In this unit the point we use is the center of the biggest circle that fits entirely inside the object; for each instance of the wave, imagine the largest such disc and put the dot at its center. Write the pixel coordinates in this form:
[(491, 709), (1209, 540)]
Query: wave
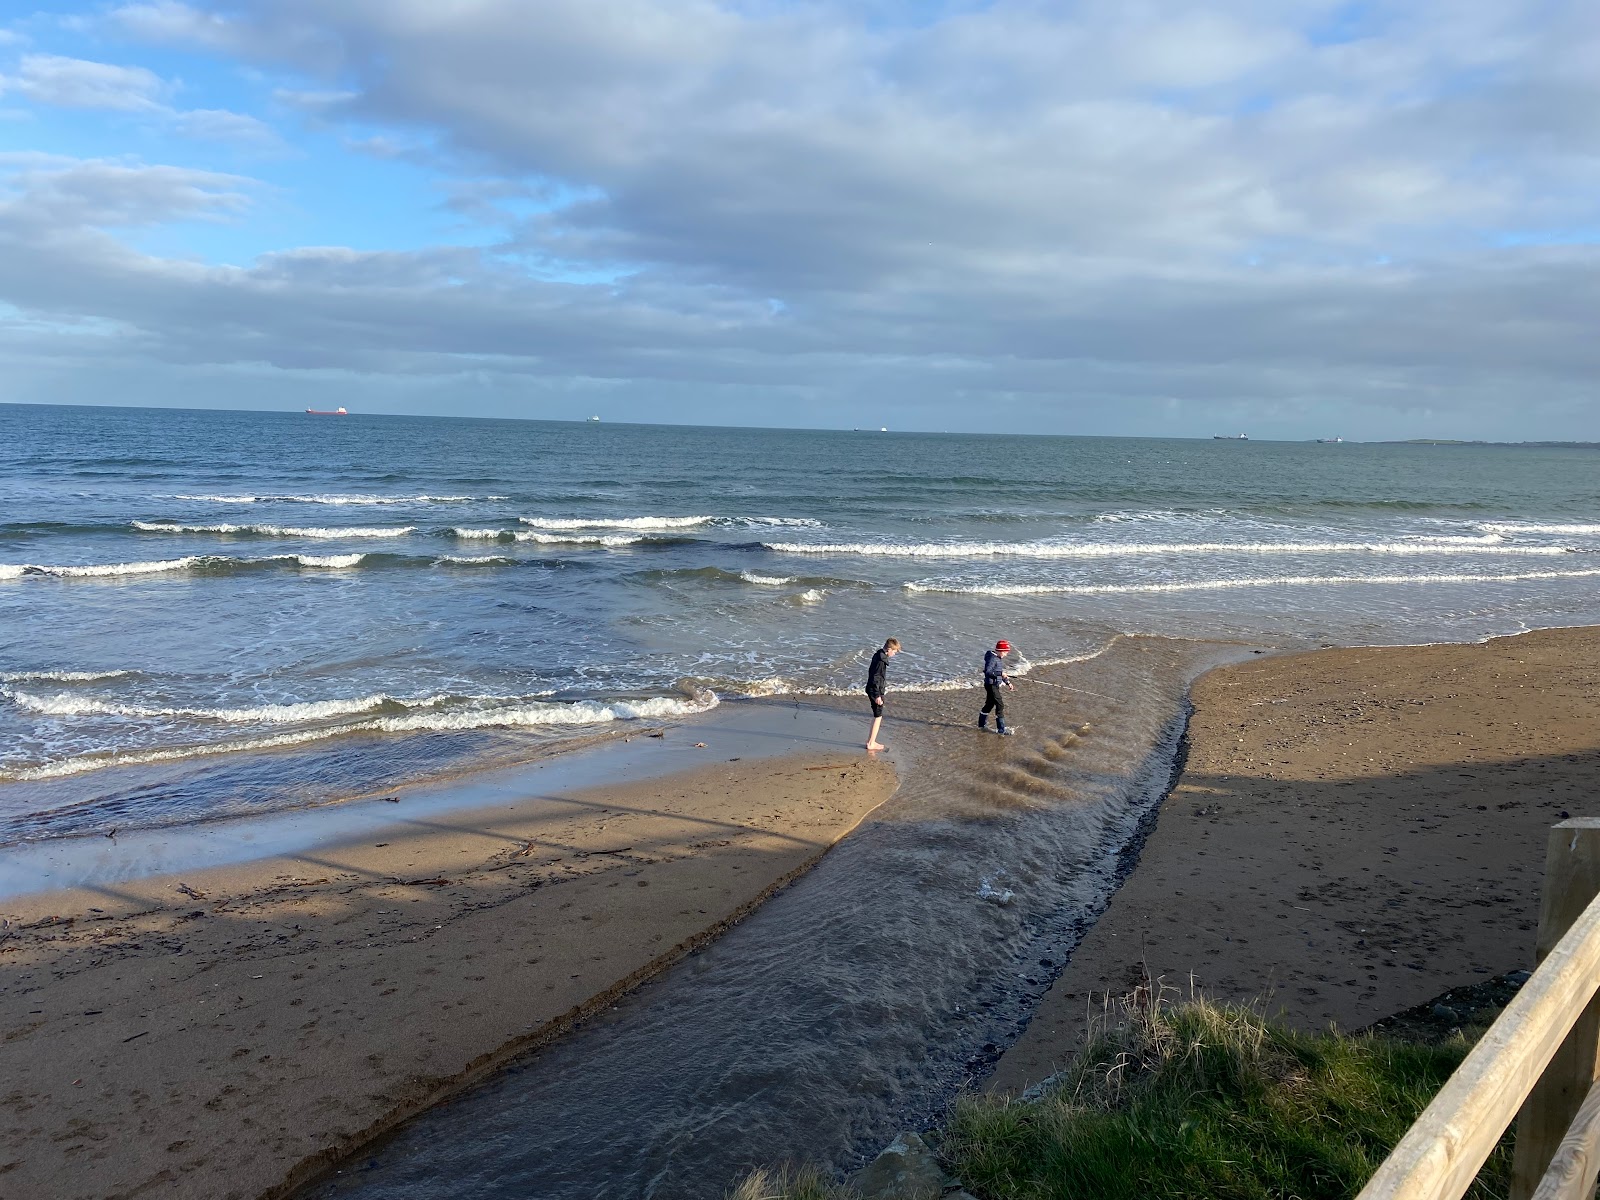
[(16, 570), (1219, 585), (313, 531), (360, 500), (530, 715), (226, 564), (1137, 549), (1515, 527), (61, 676), (211, 563), (646, 523), (609, 540), (615, 522), (68, 705)]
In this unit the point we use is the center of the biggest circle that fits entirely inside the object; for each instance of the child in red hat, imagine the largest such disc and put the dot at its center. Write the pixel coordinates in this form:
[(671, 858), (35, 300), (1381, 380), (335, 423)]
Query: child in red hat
[(995, 678)]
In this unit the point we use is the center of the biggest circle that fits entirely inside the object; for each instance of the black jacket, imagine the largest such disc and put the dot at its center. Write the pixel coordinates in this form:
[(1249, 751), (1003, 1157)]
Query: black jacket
[(878, 674)]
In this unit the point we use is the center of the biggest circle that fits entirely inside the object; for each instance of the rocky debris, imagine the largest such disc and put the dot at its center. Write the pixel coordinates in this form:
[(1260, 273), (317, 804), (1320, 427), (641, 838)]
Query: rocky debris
[(1473, 1004), (907, 1169)]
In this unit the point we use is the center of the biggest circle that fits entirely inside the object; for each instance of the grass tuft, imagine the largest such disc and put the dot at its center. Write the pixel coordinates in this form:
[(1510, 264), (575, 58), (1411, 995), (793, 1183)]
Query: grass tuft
[(1191, 1101), (1198, 1099), (788, 1183)]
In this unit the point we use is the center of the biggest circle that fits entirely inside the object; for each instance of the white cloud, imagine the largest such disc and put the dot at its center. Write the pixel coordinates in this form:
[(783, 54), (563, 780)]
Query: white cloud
[(220, 125), (79, 83), (57, 199), (1102, 201)]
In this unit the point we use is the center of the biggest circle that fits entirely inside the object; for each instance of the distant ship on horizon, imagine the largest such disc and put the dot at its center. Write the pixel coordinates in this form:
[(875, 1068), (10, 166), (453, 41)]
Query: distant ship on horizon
[(1328, 441), (1230, 437), (327, 412)]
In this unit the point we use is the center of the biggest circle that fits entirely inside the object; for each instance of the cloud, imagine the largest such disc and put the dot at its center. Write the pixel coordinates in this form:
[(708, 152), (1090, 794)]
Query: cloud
[(220, 125), (1271, 205), (78, 83), (55, 198)]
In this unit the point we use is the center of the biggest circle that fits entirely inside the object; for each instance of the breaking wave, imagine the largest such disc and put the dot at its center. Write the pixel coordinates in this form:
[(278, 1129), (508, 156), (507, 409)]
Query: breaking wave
[(212, 563), (1219, 585), (646, 523), (615, 523), (359, 500), (606, 540), (313, 531), (523, 715), (1142, 549), (1515, 527), (61, 676)]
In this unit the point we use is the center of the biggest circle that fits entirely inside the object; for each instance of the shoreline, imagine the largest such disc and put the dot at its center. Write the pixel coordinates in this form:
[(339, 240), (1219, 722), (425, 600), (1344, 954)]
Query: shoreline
[(747, 729), (1355, 830), (159, 1031)]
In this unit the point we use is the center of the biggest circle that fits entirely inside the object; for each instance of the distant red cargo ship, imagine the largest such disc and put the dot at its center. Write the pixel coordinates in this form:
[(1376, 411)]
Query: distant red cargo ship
[(327, 412)]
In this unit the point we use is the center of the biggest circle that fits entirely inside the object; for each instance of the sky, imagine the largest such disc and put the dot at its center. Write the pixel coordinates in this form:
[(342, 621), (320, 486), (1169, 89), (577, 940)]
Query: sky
[(1292, 218)]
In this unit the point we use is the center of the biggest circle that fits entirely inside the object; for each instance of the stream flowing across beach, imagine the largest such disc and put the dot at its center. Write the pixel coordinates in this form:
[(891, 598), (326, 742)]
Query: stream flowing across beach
[(209, 614)]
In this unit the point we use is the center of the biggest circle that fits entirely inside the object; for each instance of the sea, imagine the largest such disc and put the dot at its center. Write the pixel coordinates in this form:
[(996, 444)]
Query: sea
[(204, 613), (212, 614)]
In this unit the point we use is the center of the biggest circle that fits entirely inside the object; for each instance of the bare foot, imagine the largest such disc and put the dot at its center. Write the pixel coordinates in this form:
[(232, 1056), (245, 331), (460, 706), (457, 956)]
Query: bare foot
[(876, 746)]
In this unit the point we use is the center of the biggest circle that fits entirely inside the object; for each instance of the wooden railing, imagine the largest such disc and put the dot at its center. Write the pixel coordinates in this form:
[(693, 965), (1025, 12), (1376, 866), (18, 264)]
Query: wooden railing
[(1539, 1057)]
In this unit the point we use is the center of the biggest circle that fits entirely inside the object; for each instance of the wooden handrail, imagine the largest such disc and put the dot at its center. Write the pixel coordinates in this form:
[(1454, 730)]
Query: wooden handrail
[(1576, 1166), (1541, 1046)]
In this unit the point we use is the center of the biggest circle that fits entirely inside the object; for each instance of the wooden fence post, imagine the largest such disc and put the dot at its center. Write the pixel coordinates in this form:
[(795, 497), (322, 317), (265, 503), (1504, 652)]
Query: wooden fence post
[(1571, 881)]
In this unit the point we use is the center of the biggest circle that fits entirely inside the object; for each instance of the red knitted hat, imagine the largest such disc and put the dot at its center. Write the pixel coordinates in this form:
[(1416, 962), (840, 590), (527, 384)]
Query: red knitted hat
[(1002, 645)]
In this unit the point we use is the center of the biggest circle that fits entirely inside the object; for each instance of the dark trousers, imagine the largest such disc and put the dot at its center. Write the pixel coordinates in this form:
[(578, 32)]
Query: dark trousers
[(992, 701)]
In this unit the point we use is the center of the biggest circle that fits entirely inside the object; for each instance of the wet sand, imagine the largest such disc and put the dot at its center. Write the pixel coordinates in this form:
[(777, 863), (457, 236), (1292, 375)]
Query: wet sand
[(1355, 831), (229, 1030)]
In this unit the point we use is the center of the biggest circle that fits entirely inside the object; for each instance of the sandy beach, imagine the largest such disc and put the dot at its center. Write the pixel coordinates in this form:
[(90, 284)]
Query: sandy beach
[(230, 1031), (1355, 831)]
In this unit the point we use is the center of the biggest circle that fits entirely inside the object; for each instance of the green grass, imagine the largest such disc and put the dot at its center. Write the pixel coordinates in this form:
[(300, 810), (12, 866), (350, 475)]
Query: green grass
[(788, 1183), (1192, 1099), (1203, 1100)]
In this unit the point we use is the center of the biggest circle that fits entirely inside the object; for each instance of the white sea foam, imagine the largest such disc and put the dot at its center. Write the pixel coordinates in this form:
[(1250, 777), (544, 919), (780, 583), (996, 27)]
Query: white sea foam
[(531, 715), (476, 560), (551, 539), (811, 596), (193, 561), (1141, 549), (615, 522), (330, 532), (766, 580), (1219, 585), (575, 539), (68, 705), (1516, 527), (60, 676), (659, 523), (14, 570), (359, 500), (335, 561)]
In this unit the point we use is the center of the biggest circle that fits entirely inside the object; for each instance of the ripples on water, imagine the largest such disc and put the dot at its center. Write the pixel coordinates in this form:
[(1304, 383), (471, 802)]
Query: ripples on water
[(179, 586), (374, 600), (854, 1003)]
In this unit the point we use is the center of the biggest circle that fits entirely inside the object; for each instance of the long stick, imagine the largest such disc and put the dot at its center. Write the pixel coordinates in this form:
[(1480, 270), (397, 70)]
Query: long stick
[(1063, 687)]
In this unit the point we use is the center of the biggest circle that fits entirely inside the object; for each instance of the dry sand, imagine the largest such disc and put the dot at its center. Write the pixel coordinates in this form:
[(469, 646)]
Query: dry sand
[(228, 1032), (1355, 831)]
